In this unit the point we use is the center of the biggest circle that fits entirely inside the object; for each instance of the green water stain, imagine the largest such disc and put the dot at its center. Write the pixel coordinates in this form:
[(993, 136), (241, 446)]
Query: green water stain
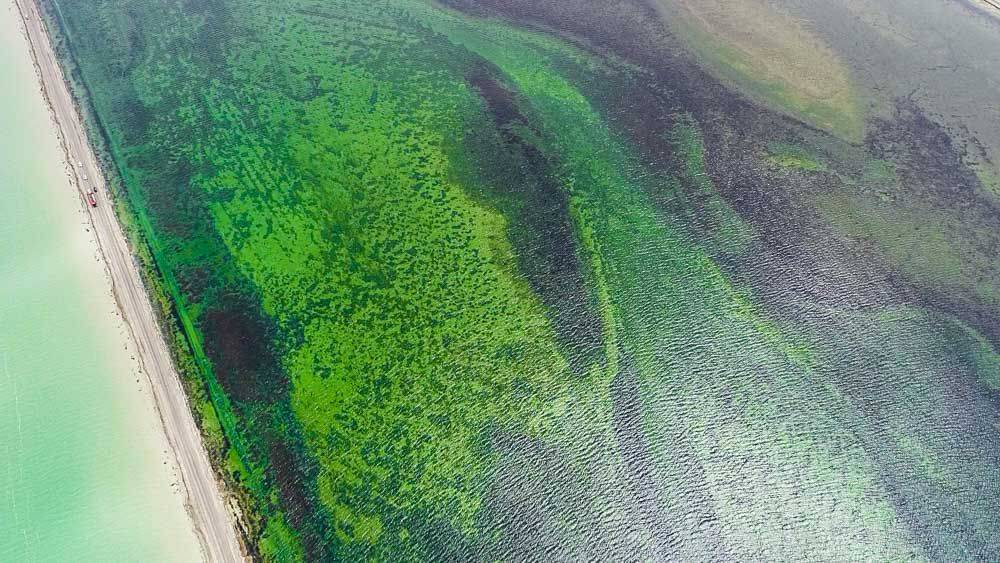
[(788, 155)]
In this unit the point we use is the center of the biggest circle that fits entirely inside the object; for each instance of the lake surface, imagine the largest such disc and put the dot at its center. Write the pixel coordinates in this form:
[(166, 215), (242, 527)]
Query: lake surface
[(82, 460), (574, 280)]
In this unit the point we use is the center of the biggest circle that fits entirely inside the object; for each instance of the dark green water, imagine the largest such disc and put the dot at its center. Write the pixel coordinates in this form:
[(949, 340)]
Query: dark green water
[(530, 280)]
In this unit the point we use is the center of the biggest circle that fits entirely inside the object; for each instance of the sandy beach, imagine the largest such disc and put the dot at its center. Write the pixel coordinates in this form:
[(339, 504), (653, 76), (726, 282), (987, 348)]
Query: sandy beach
[(204, 500)]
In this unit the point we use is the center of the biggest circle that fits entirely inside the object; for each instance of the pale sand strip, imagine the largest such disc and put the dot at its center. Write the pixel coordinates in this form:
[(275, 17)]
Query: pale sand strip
[(212, 515)]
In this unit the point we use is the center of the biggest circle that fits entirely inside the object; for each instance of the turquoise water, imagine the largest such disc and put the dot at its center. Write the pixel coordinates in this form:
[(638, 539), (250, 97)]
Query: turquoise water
[(82, 471)]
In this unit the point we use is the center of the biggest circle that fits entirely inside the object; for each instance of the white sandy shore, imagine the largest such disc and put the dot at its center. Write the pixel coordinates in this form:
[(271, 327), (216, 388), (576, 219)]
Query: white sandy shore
[(211, 512)]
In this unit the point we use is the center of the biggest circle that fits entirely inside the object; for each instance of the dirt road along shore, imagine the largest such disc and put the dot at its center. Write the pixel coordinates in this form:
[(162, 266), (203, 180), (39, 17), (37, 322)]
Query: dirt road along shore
[(209, 510)]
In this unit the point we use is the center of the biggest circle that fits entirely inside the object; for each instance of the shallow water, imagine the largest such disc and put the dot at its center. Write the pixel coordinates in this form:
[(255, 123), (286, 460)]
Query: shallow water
[(569, 279), (82, 476)]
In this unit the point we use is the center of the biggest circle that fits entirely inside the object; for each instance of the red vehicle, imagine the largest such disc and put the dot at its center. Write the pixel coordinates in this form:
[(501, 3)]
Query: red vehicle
[(91, 200)]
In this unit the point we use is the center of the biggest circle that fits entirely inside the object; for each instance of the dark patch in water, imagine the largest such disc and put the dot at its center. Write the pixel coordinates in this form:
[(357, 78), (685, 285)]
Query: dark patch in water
[(543, 235), (237, 343), (293, 489), (499, 100), (928, 160), (933, 171), (193, 281)]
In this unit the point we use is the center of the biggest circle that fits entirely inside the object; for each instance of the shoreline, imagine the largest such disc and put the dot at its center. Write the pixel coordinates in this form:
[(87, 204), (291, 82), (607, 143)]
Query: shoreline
[(83, 447), (988, 8), (211, 511)]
